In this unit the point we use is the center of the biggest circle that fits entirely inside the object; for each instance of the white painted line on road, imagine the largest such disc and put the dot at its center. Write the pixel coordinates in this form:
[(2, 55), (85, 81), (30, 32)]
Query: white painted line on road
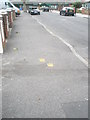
[(66, 43)]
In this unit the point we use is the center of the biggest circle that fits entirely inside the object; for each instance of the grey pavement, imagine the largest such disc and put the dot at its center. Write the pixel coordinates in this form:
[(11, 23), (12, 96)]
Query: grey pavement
[(33, 89)]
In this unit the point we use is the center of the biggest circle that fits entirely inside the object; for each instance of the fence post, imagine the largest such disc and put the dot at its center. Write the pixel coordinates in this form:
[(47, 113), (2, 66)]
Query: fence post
[(2, 37), (1, 45), (4, 24), (10, 17)]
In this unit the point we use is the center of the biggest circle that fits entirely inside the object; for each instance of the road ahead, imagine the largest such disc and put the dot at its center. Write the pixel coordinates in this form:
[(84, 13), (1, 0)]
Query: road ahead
[(42, 77), (74, 30)]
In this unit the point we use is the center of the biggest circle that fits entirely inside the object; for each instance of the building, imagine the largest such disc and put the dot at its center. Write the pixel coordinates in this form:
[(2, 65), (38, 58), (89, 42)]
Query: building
[(86, 5), (51, 3)]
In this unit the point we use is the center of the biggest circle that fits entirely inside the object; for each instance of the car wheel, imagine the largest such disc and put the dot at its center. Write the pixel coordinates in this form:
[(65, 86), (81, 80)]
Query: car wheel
[(60, 13), (72, 14)]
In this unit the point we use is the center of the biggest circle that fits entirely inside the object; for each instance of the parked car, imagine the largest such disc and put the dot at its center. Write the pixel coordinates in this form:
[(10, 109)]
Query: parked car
[(66, 11), (45, 9), (34, 12)]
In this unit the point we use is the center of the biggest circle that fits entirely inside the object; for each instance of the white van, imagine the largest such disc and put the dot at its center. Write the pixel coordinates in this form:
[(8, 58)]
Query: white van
[(7, 4)]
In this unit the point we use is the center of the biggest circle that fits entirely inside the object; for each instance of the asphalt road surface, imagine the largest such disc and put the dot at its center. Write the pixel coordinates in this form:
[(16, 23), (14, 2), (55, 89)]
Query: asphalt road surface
[(41, 76), (74, 30)]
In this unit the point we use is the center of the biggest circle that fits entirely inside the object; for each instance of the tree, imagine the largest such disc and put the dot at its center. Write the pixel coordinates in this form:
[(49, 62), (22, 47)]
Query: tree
[(77, 4)]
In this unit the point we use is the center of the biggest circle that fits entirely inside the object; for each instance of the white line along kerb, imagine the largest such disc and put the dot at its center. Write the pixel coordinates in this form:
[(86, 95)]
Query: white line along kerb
[(66, 43)]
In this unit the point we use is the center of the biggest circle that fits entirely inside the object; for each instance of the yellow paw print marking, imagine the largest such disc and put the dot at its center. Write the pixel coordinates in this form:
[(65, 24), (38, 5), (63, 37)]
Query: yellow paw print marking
[(42, 60), (50, 65)]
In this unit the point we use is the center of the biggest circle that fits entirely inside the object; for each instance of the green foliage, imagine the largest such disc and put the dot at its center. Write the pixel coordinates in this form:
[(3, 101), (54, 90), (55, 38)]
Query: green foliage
[(79, 11), (77, 4)]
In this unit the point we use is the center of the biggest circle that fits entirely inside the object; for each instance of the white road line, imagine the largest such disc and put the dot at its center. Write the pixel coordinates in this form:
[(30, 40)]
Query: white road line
[(66, 43)]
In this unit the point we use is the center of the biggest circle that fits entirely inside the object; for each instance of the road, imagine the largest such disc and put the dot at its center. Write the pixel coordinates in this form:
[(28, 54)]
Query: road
[(74, 30), (41, 76)]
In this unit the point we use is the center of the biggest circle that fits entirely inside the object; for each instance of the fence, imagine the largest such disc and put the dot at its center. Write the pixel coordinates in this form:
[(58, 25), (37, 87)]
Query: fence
[(6, 21)]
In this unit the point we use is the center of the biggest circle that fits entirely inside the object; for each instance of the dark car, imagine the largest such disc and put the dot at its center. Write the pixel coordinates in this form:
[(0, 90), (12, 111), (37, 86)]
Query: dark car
[(46, 9), (34, 11), (67, 11)]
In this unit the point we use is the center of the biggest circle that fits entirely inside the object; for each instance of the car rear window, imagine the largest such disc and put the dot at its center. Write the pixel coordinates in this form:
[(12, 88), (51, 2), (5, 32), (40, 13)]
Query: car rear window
[(70, 10)]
